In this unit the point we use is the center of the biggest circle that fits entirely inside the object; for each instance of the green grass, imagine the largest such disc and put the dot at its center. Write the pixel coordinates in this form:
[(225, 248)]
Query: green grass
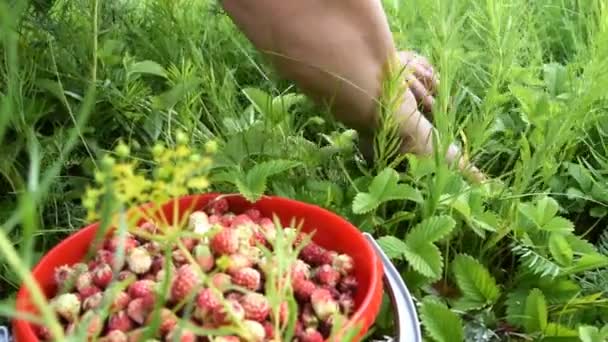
[(524, 82)]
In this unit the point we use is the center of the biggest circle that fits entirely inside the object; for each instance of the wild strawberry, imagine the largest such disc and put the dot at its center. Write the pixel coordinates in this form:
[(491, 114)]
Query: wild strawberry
[(120, 301), (84, 280), (185, 283), (129, 242), (120, 321), (268, 229), (248, 278), (241, 220), (215, 219), (313, 254), (227, 339), (199, 223), (311, 335), (327, 275), (225, 241), (344, 264), (92, 302), (221, 281), (323, 303), (64, 274), (139, 309), (67, 306), (226, 219), (221, 317), (189, 242), (256, 331), (149, 227), (234, 262), (303, 288), (300, 269), (329, 257), (208, 300), (268, 330), (204, 257), (86, 292), (115, 336), (142, 289), (139, 260), (167, 320), (181, 335), (254, 214), (308, 317), (158, 263), (347, 304), (218, 206), (256, 306), (179, 257), (234, 296), (348, 284), (104, 256), (335, 294), (43, 333), (102, 275)]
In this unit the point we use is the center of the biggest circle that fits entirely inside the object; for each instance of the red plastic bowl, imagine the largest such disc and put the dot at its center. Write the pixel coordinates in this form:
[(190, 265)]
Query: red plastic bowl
[(332, 232)]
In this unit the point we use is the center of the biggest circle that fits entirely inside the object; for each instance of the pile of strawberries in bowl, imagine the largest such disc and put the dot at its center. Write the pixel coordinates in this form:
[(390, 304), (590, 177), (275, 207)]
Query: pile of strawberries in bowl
[(218, 283)]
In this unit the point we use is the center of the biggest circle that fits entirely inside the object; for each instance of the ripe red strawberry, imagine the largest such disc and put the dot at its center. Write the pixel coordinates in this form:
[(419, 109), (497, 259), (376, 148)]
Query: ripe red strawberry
[(139, 309), (158, 263), (221, 317), (114, 242), (139, 260), (327, 275), (344, 264), (256, 306), (208, 300), (120, 301), (88, 291), (348, 284), (185, 283), (43, 333), (311, 335), (256, 331), (104, 256), (142, 288), (313, 254), (115, 336), (227, 219), (234, 262), (323, 303), (254, 214), (120, 321), (248, 278), (204, 257), (225, 241), (241, 220), (64, 274), (329, 257), (218, 207), (102, 275), (189, 243), (221, 281), (215, 219), (268, 329), (300, 269), (303, 288)]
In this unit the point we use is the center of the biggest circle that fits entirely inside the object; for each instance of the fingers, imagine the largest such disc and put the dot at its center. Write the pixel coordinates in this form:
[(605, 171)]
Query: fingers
[(421, 68), (422, 94)]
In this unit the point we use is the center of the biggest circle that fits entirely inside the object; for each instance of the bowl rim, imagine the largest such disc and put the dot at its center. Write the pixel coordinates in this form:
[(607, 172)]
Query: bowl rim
[(362, 318)]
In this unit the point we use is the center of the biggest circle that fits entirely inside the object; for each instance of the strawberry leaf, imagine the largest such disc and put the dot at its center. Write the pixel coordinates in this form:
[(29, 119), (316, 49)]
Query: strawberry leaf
[(476, 283), (441, 324), (383, 188)]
